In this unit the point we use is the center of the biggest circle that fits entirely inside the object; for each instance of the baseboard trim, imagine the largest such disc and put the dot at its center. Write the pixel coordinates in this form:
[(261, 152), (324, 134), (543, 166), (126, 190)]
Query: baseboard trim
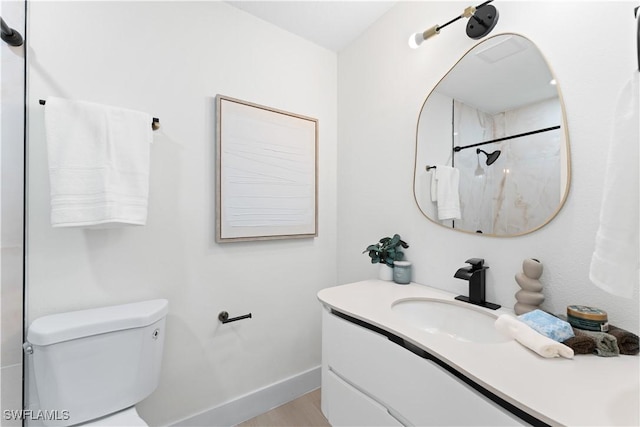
[(257, 402)]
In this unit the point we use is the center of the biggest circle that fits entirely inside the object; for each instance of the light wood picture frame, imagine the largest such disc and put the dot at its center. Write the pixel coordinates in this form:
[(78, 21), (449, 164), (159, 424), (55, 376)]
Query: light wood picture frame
[(267, 173)]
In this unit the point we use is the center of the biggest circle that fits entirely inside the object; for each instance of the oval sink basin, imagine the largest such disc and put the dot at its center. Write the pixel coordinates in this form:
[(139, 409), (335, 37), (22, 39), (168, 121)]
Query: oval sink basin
[(460, 321)]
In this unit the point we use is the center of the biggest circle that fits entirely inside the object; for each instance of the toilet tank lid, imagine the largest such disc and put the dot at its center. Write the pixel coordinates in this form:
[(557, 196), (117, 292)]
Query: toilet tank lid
[(60, 327)]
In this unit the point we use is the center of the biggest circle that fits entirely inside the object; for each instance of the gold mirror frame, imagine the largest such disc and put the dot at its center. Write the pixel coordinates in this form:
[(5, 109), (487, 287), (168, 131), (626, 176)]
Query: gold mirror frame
[(420, 165)]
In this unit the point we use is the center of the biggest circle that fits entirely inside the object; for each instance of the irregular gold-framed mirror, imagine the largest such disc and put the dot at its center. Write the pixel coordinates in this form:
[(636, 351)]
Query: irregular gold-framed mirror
[(495, 129)]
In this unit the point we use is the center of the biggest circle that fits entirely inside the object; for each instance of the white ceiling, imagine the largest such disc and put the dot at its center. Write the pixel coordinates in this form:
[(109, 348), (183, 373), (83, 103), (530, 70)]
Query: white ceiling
[(332, 24)]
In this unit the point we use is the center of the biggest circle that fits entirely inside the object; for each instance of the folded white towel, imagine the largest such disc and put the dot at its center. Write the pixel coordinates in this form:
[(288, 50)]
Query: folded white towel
[(448, 195), (615, 262), (519, 331), (98, 163)]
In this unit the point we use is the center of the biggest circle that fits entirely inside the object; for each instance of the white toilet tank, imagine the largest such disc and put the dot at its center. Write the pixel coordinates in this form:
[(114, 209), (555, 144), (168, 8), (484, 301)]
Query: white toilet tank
[(91, 363)]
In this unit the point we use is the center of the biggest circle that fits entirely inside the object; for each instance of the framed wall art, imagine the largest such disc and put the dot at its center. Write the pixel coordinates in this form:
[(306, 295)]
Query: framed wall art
[(266, 173)]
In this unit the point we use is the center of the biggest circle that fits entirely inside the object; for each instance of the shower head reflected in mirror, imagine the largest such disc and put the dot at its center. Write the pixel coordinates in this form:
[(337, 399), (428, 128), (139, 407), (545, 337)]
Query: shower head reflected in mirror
[(491, 157)]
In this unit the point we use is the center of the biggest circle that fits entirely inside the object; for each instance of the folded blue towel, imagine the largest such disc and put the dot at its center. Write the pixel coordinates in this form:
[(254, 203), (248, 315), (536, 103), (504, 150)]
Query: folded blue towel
[(548, 325)]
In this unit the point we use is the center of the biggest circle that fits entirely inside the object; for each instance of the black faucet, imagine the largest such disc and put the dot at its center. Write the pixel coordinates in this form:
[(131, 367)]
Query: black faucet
[(475, 274)]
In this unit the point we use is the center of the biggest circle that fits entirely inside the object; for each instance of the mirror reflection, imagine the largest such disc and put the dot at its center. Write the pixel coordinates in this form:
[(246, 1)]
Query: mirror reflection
[(494, 128)]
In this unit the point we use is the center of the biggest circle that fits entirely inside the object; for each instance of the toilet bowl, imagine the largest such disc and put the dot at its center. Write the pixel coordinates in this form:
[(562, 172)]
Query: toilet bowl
[(96, 364)]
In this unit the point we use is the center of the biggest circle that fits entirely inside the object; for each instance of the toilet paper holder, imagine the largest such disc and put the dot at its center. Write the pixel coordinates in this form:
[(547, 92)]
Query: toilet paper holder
[(223, 317)]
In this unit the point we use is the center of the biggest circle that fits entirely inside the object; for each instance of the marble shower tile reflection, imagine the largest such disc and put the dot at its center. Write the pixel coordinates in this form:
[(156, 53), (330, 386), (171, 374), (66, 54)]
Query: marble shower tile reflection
[(522, 189)]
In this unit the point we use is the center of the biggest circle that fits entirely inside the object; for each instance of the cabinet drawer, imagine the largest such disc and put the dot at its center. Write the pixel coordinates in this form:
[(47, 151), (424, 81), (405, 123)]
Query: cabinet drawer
[(347, 406)]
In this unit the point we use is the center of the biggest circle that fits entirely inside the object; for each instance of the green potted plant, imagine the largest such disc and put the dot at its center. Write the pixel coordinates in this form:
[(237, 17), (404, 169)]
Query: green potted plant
[(385, 252)]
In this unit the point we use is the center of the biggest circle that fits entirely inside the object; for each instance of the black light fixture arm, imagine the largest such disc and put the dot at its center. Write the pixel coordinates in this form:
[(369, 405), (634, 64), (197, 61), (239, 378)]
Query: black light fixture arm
[(533, 132), (468, 13), (9, 35), (439, 27)]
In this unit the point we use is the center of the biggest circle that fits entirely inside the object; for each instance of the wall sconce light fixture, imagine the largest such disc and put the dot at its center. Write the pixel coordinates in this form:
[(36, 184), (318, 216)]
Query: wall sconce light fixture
[(482, 19)]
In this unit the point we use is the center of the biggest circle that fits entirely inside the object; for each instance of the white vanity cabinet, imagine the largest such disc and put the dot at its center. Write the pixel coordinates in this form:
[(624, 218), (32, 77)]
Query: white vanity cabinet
[(369, 380)]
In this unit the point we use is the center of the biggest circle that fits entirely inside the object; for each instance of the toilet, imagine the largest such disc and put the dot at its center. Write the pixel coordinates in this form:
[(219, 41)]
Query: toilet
[(91, 367)]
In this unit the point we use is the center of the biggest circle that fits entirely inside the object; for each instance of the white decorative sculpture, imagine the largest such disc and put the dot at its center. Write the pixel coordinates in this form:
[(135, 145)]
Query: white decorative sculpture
[(530, 296)]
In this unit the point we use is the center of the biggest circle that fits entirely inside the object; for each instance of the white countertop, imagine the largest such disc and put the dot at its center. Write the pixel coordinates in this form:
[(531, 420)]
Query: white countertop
[(584, 391)]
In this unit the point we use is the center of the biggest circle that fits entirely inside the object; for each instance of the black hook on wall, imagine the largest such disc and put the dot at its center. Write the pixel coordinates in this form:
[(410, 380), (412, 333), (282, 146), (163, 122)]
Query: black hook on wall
[(9, 35)]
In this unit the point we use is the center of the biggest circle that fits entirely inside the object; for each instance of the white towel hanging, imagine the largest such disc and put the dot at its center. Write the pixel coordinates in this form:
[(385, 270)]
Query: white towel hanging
[(448, 195), (615, 264), (98, 163)]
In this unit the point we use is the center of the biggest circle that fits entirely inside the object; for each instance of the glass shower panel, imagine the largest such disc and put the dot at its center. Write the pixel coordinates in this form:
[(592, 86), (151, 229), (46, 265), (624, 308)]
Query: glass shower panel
[(12, 120)]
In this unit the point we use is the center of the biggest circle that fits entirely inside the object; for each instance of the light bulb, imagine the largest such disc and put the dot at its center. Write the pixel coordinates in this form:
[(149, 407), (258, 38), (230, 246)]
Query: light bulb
[(415, 40)]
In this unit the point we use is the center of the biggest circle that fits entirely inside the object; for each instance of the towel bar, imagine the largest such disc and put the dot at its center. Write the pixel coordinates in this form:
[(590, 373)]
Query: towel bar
[(155, 123)]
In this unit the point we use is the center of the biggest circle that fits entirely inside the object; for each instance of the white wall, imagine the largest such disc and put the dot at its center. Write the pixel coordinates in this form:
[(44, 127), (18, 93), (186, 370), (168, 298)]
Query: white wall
[(382, 85), (11, 213), (170, 59)]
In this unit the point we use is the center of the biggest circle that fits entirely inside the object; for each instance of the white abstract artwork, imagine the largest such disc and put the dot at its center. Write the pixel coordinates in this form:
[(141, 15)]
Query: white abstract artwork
[(267, 173)]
